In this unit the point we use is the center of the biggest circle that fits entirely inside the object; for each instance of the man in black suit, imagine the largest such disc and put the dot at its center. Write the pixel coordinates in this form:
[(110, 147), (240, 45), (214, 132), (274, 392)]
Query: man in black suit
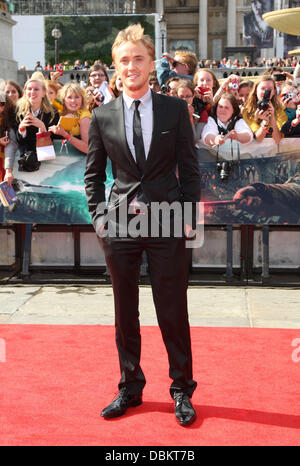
[(149, 139)]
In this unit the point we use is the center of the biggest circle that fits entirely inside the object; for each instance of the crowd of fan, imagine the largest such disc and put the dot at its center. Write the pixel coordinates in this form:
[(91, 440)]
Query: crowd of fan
[(232, 108)]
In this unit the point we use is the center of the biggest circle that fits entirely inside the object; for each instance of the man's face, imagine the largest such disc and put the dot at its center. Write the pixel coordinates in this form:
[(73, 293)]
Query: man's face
[(134, 64), (180, 67)]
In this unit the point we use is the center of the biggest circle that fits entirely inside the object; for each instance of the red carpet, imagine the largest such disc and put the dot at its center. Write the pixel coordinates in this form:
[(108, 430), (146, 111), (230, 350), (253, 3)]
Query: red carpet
[(56, 379)]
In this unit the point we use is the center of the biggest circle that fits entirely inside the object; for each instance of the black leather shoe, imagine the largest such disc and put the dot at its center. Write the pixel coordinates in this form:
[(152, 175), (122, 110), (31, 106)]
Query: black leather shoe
[(120, 404), (184, 411)]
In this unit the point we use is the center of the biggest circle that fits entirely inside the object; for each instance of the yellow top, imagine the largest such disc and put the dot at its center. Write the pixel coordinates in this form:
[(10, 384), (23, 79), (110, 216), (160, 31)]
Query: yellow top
[(281, 118), (59, 107), (75, 131)]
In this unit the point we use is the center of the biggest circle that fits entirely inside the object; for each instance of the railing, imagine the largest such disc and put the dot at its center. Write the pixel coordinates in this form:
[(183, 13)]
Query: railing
[(245, 73), (82, 75)]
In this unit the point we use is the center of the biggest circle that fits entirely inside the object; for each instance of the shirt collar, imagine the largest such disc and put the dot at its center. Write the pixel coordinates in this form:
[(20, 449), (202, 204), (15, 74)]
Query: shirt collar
[(223, 125), (145, 99)]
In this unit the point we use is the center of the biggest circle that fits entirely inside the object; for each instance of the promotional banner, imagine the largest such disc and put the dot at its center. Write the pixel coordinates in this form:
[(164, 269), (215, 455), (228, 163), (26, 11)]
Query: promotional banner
[(256, 183), (256, 31)]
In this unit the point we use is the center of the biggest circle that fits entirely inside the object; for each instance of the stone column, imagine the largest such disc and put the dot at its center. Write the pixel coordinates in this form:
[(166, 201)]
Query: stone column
[(159, 7), (8, 66), (231, 23), (202, 36)]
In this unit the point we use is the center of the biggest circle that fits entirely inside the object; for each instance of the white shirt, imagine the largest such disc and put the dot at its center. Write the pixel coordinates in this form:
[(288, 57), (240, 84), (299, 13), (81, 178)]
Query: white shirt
[(146, 113), (212, 128)]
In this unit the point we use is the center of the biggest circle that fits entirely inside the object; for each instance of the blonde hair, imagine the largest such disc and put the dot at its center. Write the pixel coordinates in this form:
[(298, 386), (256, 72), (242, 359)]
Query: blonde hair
[(37, 75), (133, 33), (23, 104), (67, 89), (52, 84), (251, 104)]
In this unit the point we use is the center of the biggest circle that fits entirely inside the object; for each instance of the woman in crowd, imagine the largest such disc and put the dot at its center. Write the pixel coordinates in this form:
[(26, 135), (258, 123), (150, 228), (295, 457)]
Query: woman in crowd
[(12, 89), (206, 86), (244, 91), (97, 75), (72, 97), (265, 118), (34, 113), (289, 99), (171, 86), (115, 84), (226, 122), (292, 127), (186, 91), (52, 93), (8, 144)]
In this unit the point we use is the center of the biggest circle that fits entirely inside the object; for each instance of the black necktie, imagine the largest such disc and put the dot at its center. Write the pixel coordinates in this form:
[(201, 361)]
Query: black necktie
[(138, 138)]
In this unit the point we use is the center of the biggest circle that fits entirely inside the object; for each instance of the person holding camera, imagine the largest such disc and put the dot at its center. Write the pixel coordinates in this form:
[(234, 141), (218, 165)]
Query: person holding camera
[(263, 111), (230, 85), (186, 91), (289, 99), (226, 122), (206, 86), (292, 127)]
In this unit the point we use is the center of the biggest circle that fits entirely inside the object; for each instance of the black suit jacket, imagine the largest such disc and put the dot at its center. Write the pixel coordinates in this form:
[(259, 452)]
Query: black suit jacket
[(171, 172)]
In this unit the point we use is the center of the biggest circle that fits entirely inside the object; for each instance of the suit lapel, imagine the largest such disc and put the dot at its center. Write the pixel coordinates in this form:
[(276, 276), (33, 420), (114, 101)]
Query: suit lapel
[(158, 118)]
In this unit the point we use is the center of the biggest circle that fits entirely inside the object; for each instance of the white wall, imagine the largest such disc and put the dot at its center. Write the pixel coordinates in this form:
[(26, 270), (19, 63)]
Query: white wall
[(29, 41)]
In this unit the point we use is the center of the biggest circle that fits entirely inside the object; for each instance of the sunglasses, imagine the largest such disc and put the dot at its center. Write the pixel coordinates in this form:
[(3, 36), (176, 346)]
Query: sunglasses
[(175, 63)]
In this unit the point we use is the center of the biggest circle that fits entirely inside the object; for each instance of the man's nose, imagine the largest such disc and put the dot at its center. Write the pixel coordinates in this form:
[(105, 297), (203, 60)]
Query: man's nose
[(131, 64)]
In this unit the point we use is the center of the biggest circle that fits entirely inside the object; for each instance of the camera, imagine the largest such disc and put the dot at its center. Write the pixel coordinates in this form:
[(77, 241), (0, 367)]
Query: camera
[(224, 169), (263, 104), (202, 90), (280, 77), (234, 86), (165, 88)]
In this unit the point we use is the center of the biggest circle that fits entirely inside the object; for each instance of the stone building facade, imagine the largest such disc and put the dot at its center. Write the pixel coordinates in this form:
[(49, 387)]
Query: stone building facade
[(8, 66), (206, 27)]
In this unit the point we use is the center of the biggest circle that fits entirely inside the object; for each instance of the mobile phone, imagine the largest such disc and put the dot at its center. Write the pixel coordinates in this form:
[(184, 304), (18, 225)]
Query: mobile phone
[(280, 77), (202, 90)]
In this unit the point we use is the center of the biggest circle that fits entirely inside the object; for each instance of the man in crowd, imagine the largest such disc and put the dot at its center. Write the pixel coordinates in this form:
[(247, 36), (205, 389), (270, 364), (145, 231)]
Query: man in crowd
[(183, 64)]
